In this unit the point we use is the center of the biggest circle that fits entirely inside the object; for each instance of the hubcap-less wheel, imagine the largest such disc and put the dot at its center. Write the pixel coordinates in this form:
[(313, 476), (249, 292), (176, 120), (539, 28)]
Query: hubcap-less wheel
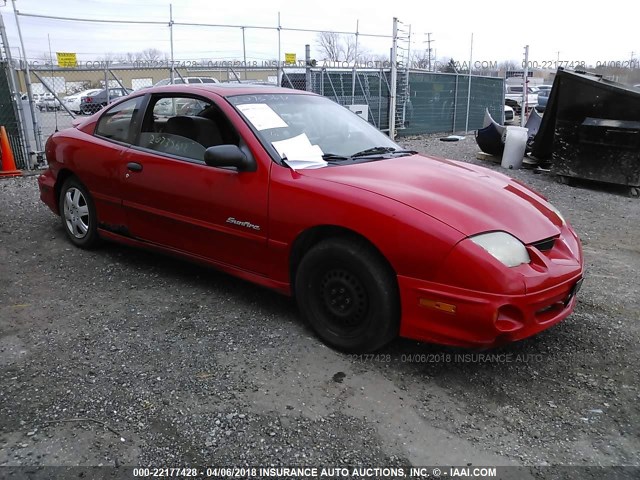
[(344, 298), (347, 292), (76, 213)]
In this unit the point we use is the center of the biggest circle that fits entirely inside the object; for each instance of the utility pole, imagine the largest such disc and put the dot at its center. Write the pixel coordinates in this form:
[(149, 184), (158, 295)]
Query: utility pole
[(466, 127), (525, 86), (27, 80), (244, 53), (354, 72), (279, 74), (394, 81), (171, 71), (15, 91), (428, 42)]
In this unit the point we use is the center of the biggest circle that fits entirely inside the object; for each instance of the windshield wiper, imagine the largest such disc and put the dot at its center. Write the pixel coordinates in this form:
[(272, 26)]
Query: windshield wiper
[(379, 150), (334, 156), (405, 152), (373, 151)]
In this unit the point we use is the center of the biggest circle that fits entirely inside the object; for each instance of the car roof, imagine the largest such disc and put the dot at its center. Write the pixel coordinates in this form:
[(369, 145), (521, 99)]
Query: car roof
[(224, 89)]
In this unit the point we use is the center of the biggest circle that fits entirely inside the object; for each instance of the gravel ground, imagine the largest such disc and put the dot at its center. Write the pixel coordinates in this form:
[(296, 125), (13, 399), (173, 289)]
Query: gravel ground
[(121, 357)]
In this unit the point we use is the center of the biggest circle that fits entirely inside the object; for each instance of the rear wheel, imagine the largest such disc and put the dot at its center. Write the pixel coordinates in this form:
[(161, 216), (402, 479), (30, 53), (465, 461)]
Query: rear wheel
[(348, 294), (78, 214)]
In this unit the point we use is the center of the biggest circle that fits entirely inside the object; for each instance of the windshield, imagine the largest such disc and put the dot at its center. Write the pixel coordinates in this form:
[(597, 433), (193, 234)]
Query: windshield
[(311, 131)]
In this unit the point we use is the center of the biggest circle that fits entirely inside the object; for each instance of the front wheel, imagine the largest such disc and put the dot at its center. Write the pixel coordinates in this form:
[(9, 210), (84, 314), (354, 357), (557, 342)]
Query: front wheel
[(78, 214), (348, 294)]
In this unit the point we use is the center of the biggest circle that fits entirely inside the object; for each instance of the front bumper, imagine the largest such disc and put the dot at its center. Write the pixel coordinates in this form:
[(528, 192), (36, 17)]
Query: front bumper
[(512, 304), (480, 319)]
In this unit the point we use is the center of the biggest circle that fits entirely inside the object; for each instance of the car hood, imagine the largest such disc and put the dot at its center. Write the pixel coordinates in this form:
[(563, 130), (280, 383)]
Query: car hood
[(466, 197)]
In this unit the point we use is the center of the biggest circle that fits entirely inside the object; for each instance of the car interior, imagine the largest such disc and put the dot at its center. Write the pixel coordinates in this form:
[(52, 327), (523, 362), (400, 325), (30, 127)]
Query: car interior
[(185, 127)]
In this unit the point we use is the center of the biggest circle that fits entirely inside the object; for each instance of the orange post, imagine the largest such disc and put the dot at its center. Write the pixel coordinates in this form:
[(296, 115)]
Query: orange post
[(7, 163)]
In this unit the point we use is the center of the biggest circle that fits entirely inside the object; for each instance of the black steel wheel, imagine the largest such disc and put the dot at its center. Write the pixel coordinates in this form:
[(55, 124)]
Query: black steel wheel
[(348, 294), (78, 213)]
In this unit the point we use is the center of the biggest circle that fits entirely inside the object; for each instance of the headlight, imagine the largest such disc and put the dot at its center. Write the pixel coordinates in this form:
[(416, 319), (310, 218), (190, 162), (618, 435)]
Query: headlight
[(504, 247), (557, 212)]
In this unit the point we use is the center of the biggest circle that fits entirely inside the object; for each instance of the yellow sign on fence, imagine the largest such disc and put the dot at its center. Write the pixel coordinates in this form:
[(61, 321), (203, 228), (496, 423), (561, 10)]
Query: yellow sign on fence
[(66, 59), (290, 58)]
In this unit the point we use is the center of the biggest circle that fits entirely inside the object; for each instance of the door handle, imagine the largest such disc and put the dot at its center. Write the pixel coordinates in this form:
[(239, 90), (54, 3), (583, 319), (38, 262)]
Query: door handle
[(134, 167)]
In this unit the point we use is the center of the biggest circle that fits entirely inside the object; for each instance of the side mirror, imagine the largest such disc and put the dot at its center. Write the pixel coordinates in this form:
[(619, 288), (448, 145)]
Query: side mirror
[(229, 156)]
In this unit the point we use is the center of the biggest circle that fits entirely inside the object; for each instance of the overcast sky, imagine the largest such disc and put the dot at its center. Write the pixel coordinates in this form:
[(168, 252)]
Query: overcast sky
[(579, 32)]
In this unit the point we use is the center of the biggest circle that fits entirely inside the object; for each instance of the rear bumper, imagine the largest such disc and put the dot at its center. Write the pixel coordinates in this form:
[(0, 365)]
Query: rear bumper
[(480, 319), (46, 184)]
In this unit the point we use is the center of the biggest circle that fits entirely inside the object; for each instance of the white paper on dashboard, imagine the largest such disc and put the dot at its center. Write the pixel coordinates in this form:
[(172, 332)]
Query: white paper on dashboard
[(299, 152), (262, 116)]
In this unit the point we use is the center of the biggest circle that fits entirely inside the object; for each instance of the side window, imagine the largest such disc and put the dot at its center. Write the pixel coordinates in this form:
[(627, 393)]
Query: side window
[(184, 126), (116, 123)]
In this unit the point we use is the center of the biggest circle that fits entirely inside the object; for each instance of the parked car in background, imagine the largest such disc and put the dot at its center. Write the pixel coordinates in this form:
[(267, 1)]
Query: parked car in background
[(92, 103), (509, 114), (513, 97), (186, 80), (72, 102), (543, 98), (47, 102), (292, 191)]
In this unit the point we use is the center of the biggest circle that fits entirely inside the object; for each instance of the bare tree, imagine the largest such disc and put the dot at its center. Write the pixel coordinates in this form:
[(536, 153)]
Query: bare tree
[(129, 57), (151, 54), (109, 58), (349, 48), (336, 47), (509, 65), (420, 59), (329, 44)]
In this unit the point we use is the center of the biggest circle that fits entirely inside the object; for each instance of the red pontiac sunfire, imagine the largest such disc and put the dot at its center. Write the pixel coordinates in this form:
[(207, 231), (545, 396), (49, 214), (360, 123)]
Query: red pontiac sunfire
[(294, 192)]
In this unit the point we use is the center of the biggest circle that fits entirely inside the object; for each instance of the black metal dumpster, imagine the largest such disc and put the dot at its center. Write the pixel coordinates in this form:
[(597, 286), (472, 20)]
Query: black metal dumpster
[(598, 149), (591, 130)]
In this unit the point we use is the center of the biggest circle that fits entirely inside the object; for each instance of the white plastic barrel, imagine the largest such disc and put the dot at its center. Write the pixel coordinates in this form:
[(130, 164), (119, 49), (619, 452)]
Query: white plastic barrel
[(515, 143)]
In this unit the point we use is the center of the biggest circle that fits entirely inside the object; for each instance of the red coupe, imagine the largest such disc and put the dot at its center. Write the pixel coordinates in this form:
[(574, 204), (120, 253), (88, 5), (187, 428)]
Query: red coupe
[(294, 192)]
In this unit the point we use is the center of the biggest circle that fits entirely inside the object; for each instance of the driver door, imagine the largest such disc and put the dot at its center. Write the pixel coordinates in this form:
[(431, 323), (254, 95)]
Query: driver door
[(173, 199)]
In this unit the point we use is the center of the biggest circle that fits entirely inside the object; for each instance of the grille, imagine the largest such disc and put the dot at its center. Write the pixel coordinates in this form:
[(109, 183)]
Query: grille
[(544, 245)]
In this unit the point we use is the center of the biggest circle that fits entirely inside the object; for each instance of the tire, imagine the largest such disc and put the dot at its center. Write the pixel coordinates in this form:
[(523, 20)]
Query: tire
[(348, 294), (78, 214)]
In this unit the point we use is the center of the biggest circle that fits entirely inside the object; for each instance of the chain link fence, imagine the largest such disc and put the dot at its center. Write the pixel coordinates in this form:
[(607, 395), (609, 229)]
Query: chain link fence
[(366, 92), (431, 103), (368, 85), (62, 94), (440, 102)]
